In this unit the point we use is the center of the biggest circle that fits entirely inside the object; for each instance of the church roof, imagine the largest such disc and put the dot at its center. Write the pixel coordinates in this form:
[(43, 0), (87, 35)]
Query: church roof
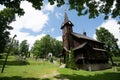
[(84, 37)]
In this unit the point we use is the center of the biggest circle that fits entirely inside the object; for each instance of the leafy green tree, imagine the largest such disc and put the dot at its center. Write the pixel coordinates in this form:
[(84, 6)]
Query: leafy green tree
[(42, 47), (47, 44), (110, 41), (96, 7), (72, 64), (24, 48), (83, 7), (70, 60), (6, 17), (14, 46), (36, 49), (56, 47)]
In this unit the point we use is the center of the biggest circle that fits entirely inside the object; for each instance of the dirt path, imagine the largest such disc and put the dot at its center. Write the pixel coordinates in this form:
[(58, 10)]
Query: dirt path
[(55, 73)]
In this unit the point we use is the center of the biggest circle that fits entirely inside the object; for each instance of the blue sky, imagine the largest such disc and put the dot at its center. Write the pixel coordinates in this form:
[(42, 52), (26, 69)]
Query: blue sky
[(37, 23)]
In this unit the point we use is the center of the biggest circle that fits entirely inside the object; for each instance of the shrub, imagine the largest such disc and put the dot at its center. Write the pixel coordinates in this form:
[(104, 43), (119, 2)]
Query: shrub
[(72, 64), (70, 60)]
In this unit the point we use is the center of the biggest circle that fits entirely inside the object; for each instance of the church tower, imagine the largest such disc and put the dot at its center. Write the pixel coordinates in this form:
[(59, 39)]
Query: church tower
[(66, 33)]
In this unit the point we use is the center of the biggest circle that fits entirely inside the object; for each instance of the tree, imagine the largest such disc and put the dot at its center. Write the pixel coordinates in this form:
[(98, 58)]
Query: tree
[(83, 7), (70, 60), (96, 7), (46, 45), (14, 46), (24, 47), (110, 41), (6, 17), (72, 64), (56, 47)]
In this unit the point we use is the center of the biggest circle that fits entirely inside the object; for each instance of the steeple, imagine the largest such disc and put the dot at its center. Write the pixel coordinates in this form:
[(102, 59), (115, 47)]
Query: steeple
[(66, 21), (65, 18), (66, 32)]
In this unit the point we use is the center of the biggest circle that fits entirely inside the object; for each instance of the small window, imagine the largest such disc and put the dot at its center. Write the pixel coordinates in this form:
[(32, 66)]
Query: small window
[(69, 22)]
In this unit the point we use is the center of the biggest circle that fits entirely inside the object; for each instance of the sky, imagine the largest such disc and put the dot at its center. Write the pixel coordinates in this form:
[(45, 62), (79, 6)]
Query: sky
[(35, 24)]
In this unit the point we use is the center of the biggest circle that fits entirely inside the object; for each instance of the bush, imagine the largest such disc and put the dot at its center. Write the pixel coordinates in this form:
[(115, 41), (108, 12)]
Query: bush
[(70, 60), (72, 64)]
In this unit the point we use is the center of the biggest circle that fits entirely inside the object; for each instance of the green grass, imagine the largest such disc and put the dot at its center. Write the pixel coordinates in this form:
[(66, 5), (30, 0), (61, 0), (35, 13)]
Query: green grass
[(35, 70), (85, 75), (32, 70)]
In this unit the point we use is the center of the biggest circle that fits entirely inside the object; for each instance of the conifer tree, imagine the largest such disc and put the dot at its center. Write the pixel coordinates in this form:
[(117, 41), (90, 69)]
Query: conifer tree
[(72, 64)]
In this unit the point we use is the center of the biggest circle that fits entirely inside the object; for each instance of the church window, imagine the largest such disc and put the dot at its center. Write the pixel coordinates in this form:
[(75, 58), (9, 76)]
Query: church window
[(69, 22)]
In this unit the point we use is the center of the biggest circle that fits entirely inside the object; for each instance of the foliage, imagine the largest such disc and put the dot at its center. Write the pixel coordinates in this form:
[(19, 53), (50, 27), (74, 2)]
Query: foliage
[(37, 4), (95, 7), (24, 47), (70, 60), (72, 64), (110, 41), (91, 7), (14, 46), (6, 17), (47, 44), (116, 60)]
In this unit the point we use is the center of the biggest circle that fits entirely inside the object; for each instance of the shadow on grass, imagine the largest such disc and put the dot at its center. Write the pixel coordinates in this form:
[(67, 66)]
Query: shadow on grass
[(105, 76), (15, 63), (21, 78)]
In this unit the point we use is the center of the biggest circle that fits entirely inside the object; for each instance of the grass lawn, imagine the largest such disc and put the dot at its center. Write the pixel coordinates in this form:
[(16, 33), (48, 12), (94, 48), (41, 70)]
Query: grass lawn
[(85, 75), (38, 70)]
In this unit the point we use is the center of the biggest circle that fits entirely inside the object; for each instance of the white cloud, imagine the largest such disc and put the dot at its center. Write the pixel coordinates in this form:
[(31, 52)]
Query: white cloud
[(58, 15), (59, 38), (1, 7), (49, 7), (34, 20), (112, 26), (26, 36)]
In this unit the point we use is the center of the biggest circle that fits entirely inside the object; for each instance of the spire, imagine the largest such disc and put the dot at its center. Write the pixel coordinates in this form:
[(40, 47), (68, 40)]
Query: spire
[(66, 18), (66, 21)]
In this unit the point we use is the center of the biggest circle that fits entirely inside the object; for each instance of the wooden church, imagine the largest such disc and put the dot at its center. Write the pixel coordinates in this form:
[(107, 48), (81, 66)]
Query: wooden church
[(89, 54)]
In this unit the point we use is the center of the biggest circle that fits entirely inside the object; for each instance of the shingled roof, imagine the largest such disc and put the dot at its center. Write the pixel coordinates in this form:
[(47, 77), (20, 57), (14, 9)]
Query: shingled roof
[(84, 37)]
